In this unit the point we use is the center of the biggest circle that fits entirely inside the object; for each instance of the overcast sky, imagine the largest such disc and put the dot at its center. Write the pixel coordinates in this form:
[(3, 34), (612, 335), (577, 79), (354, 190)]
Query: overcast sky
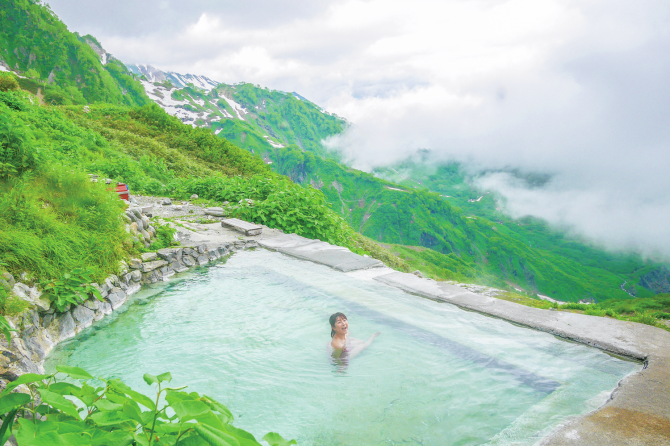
[(579, 89)]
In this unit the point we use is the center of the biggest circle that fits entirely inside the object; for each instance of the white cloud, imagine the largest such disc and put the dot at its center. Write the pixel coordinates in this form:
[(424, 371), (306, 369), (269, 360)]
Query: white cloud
[(576, 89)]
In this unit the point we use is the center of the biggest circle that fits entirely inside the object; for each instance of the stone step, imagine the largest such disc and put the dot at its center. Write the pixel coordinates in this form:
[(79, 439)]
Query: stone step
[(215, 211), (242, 226)]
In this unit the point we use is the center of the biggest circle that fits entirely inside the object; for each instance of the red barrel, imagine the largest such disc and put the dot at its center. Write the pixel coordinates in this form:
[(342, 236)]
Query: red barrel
[(123, 191)]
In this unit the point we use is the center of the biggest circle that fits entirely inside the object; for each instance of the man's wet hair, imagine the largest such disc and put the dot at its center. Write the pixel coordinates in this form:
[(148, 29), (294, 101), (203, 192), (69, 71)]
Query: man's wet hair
[(333, 320)]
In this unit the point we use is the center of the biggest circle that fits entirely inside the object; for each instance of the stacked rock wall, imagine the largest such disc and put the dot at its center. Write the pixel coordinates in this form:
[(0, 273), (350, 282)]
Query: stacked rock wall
[(41, 328)]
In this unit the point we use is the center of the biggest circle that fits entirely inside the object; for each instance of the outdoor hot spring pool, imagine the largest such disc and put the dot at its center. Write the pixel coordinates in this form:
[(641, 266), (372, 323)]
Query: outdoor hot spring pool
[(252, 333)]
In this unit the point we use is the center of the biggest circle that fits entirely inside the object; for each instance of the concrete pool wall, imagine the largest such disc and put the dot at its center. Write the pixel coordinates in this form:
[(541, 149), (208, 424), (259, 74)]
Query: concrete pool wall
[(637, 413)]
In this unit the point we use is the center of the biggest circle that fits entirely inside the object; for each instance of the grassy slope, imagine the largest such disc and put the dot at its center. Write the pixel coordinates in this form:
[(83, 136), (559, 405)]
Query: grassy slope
[(33, 41)]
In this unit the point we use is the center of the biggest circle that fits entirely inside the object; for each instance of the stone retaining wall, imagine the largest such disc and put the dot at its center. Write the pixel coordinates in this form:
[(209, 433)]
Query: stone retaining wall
[(40, 329)]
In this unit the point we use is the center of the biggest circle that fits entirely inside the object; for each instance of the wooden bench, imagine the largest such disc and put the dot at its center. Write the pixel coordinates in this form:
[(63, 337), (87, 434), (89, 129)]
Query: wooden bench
[(242, 226)]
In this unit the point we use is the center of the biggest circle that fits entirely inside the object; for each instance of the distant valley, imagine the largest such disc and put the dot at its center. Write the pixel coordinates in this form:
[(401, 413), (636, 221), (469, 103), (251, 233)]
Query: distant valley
[(469, 238)]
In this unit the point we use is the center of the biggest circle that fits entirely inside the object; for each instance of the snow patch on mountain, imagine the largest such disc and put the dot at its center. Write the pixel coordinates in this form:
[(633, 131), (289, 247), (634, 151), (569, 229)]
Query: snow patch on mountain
[(272, 143), (163, 97), (239, 110), (177, 79)]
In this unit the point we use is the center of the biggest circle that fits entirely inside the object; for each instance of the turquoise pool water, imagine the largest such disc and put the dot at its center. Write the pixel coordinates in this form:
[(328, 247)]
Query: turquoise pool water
[(252, 332)]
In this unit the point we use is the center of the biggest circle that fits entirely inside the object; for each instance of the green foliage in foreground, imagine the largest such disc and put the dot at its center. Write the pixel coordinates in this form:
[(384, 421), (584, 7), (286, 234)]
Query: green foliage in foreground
[(61, 413), (73, 288)]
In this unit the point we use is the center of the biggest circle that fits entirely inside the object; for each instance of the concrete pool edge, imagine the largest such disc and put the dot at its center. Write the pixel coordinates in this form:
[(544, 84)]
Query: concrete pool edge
[(638, 410)]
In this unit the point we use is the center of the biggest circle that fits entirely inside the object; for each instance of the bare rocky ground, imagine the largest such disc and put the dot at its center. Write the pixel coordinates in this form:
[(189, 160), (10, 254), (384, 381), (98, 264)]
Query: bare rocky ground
[(193, 224)]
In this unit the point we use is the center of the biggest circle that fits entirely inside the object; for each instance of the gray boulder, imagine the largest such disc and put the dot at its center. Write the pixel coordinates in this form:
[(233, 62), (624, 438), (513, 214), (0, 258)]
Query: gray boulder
[(150, 266), (32, 296), (170, 254), (188, 261), (202, 259), (103, 290), (136, 276), (215, 211), (65, 326), (92, 304), (116, 298), (123, 267), (83, 316), (148, 256), (166, 202), (135, 263), (146, 235), (194, 197), (178, 267)]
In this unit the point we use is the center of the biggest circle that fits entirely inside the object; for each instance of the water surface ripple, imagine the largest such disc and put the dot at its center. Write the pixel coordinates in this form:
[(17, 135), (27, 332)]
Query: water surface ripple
[(252, 333)]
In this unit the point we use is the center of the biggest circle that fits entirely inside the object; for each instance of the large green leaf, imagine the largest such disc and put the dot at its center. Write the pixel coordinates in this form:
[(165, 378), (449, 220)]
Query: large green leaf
[(244, 437), (13, 401), (274, 439), (186, 410), (135, 396), (74, 372), (157, 379), (59, 402), (141, 439), (193, 440), (215, 437), (64, 388), (6, 428), (110, 418), (114, 438), (31, 434), (172, 396), (133, 411), (209, 418), (87, 394), (218, 407), (26, 378), (107, 405)]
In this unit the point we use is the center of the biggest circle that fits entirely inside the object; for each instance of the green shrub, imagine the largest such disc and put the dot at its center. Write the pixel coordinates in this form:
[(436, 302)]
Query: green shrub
[(8, 82), (72, 288), (645, 319), (18, 153), (164, 236)]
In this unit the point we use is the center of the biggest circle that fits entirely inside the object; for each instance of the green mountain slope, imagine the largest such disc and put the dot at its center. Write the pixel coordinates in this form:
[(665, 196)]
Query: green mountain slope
[(257, 119), (63, 66), (416, 203)]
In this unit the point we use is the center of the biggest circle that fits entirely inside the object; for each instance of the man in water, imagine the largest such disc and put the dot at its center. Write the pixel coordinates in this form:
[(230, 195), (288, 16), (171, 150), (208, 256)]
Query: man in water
[(343, 346)]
